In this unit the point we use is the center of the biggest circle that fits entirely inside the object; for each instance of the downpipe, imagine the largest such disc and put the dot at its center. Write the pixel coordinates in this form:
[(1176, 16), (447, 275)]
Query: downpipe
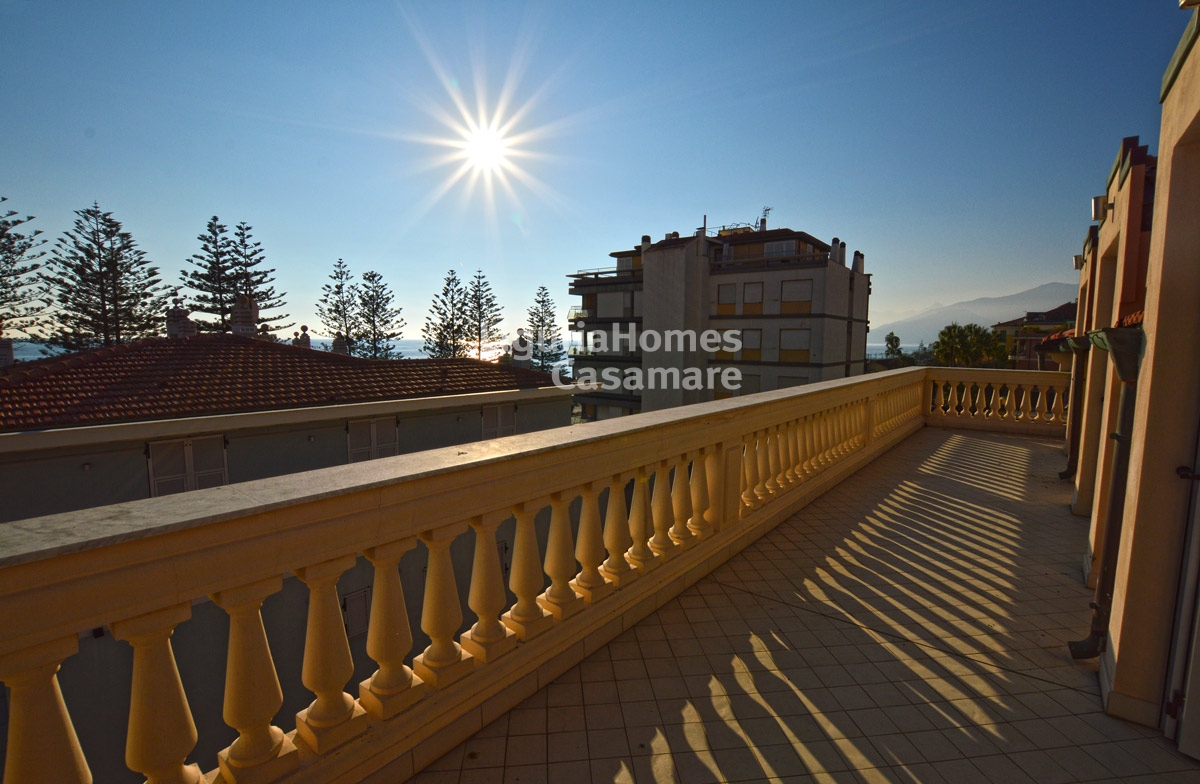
[(1124, 345), (1079, 347)]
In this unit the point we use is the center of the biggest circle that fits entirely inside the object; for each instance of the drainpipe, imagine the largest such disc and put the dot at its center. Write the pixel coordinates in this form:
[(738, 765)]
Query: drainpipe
[(1079, 347), (1124, 345)]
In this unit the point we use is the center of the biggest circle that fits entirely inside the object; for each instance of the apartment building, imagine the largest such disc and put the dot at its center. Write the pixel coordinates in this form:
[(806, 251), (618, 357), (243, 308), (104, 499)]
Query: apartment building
[(799, 308)]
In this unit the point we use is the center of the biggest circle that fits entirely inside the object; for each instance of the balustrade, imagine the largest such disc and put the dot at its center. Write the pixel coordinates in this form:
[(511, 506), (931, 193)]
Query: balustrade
[(703, 486)]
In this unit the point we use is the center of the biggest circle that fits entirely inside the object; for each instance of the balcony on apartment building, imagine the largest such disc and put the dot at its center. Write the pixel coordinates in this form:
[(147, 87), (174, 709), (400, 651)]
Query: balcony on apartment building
[(863, 579)]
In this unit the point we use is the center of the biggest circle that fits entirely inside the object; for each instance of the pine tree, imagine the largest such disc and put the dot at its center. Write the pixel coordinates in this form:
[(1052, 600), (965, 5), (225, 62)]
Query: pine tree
[(105, 290), (378, 322), (214, 280), (483, 314), (547, 339), (338, 306), (445, 327), (23, 297), (257, 283)]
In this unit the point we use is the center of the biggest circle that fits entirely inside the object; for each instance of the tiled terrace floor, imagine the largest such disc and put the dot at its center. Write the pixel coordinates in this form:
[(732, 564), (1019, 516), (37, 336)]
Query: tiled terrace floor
[(909, 625)]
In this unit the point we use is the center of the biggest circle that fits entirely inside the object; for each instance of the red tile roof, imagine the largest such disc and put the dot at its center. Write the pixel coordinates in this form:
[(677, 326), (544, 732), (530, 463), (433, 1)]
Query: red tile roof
[(166, 378)]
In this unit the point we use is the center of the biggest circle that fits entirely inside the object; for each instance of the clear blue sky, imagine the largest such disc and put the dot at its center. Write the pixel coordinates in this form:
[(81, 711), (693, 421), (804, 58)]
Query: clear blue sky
[(956, 143)]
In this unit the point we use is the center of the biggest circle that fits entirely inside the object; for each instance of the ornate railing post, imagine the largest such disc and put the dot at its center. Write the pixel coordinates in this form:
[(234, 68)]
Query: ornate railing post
[(663, 542), (589, 550), (161, 730), (42, 746), (444, 661), (616, 568), (560, 598), (488, 639), (334, 717), (526, 617), (393, 687), (261, 752), (681, 505)]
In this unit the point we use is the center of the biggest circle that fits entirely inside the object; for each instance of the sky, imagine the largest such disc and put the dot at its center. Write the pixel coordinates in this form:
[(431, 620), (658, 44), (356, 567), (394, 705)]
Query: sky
[(956, 143)]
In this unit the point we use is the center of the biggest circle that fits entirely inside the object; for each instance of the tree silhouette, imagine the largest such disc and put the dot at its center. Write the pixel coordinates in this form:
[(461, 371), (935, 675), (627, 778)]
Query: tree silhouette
[(378, 322), (445, 330), (547, 339), (105, 290), (23, 297), (483, 314), (338, 306), (250, 279), (214, 279)]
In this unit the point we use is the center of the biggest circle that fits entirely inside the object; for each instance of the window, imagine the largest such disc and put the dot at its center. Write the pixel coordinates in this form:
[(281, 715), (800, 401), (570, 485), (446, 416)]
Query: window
[(795, 296), (726, 299), (782, 248), (794, 345), (187, 464), (752, 344), (499, 421), (368, 439), (752, 297)]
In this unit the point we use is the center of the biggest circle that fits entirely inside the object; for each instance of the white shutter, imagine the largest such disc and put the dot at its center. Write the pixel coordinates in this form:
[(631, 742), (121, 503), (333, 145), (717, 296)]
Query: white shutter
[(168, 468), (385, 437), (358, 436), (208, 461)]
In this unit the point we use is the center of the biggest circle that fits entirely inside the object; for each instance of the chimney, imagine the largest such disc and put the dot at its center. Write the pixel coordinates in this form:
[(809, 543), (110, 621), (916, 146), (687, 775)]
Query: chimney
[(244, 317), (842, 254), (7, 359), (833, 250), (645, 241), (859, 258), (178, 323), (340, 346), (762, 223)]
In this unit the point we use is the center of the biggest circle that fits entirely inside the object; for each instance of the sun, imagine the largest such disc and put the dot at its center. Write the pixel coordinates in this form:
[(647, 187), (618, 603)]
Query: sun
[(489, 144), (486, 150)]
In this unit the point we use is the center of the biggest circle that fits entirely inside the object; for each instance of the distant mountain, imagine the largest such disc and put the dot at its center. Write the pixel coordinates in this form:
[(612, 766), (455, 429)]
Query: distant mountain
[(986, 311)]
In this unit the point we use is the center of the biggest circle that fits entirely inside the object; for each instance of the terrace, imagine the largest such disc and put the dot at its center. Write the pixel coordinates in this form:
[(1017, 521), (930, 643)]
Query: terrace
[(865, 579)]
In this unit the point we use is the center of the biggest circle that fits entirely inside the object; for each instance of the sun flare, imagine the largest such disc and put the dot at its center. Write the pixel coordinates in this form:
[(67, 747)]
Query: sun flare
[(490, 144)]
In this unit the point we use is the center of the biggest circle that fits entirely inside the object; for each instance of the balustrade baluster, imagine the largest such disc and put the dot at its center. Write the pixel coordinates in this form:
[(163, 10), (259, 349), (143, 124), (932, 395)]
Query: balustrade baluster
[(1059, 408), (750, 499), (699, 524), (161, 732), (718, 485), (762, 488), (488, 639), (774, 461), (616, 568), (662, 543), (261, 752), (560, 598), (940, 396), (444, 661), (526, 617), (791, 453), (42, 745), (681, 504), (590, 583), (639, 554), (333, 717), (393, 687)]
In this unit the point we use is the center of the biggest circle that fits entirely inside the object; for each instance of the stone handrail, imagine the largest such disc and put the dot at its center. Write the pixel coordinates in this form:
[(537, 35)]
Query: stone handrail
[(706, 481)]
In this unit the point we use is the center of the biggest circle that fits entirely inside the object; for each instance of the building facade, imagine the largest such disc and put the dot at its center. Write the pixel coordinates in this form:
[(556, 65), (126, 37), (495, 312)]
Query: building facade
[(167, 415), (799, 309)]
